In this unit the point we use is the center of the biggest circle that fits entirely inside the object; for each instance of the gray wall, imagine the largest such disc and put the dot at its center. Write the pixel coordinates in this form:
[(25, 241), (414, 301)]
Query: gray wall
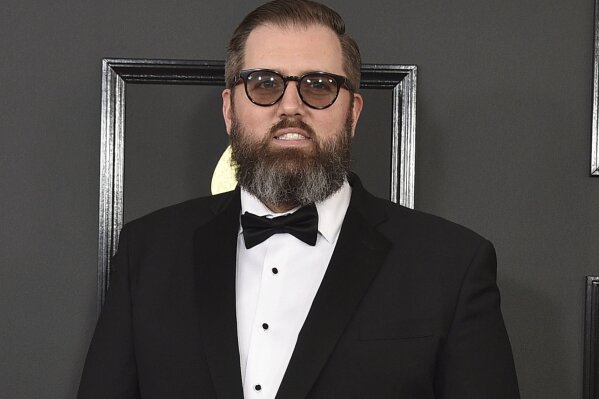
[(504, 111)]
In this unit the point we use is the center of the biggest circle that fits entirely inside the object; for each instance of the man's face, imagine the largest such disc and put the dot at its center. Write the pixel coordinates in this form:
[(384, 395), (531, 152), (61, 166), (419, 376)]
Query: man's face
[(289, 131), (291, 51)]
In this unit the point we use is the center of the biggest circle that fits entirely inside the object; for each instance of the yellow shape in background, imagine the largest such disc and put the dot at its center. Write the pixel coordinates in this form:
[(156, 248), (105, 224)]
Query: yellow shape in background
[(223, 178)]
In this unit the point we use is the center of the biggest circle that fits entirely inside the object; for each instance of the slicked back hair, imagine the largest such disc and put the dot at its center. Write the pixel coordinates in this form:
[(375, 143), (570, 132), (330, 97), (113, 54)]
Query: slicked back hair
[(288, 13)]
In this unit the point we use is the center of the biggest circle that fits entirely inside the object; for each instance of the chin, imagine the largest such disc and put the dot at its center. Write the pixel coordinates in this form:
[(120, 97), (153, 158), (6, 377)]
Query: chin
[(298, 151)]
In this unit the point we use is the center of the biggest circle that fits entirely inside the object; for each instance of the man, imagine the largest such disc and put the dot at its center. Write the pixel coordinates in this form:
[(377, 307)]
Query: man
[(300, 284)]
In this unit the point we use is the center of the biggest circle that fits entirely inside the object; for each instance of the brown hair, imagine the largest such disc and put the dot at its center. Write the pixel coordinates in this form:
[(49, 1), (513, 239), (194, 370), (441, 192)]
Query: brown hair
[(286, 13)]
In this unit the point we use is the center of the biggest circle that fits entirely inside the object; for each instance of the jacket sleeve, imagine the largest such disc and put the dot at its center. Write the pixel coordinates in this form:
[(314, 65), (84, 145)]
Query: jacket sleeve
[(476, 360), (110, 368)]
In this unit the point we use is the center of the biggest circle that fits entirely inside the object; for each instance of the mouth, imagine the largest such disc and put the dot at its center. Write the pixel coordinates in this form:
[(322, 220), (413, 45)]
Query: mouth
[(291, 134)]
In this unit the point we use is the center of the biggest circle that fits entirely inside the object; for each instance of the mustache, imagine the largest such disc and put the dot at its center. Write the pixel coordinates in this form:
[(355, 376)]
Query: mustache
[(292, 123)]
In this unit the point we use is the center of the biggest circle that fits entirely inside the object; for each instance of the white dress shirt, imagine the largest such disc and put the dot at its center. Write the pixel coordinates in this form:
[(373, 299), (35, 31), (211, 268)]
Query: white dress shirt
[(276, 283)]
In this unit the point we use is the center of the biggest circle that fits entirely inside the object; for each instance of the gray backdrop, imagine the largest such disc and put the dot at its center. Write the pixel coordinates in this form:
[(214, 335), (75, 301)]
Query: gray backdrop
[(503, 143)]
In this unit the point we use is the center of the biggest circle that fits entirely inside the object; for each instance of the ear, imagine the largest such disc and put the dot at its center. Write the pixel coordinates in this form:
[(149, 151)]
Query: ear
[(227, 109), (357, 109)]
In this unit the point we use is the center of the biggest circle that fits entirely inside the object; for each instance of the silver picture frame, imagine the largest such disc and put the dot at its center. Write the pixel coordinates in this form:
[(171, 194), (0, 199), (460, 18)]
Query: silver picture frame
[(591, 339), (595, 122), (400, 80)]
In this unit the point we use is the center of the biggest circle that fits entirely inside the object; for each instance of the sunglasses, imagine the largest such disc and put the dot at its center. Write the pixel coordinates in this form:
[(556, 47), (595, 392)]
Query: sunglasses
[(266, 87)]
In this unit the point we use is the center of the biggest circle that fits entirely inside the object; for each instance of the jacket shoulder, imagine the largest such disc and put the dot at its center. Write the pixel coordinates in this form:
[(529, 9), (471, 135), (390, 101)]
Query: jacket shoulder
[(398, 222), (414, 226), (189, 214)]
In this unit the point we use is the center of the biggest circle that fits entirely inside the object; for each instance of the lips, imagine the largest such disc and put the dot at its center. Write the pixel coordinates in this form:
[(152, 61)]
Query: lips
[(291, 134)]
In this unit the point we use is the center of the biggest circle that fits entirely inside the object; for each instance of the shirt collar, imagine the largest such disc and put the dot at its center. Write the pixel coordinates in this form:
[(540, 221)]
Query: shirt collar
[(331, 211)]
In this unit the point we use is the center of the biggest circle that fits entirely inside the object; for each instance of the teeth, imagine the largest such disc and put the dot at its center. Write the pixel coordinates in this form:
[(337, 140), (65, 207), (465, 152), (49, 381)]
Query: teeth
[(291, 136)]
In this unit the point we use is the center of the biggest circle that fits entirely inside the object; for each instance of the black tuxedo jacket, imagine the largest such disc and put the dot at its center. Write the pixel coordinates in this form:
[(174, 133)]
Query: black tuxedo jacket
[(408, 308)]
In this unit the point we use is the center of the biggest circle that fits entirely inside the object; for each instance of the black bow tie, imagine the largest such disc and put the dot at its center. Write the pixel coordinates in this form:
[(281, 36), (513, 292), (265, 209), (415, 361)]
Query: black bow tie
[(303, 224)]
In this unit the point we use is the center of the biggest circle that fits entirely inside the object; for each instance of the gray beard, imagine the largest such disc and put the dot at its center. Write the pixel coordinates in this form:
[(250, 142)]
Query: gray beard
[(291, 177)]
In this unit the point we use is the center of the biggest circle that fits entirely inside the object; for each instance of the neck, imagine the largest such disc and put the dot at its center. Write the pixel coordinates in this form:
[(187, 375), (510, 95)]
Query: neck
[(279, 208)]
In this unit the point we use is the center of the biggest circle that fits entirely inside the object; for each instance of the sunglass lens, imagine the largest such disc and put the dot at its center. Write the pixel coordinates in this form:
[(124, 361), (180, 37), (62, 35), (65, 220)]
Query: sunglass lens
[(264, 87), (319, 90)]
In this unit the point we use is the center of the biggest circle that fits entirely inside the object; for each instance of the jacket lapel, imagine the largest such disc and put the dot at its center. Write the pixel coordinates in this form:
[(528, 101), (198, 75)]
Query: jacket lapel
[(215, 247), (358, 255)]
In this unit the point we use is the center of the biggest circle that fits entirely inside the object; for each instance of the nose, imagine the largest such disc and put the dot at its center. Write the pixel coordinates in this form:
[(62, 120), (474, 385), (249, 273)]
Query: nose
[(291, 103)]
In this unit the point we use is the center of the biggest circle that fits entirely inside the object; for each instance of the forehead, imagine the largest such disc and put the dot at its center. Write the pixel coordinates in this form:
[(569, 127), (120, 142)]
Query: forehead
[(294, 50)]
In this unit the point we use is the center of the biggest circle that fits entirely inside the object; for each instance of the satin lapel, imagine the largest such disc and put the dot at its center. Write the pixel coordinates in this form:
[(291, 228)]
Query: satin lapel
[(358, 255), (215, 247)]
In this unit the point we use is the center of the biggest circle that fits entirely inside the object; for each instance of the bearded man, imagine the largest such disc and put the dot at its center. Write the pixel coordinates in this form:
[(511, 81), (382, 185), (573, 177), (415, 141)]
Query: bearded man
[(298, 284)]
